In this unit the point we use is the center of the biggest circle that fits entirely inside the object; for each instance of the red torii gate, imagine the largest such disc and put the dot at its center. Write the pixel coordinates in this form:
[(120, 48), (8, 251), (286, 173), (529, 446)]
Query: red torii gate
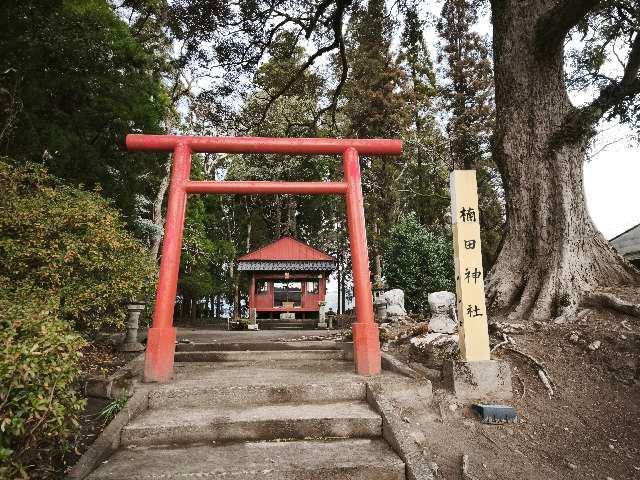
[(158, 366)]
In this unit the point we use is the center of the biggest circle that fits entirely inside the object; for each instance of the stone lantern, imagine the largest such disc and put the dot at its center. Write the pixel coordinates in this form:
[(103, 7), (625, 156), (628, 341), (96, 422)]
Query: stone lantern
[(131, 343), (379, 302)]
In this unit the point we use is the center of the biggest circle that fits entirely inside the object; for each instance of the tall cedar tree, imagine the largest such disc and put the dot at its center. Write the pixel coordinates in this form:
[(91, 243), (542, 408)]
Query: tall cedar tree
[(424, 188), (375, 108), (468, 99), (468, 91)]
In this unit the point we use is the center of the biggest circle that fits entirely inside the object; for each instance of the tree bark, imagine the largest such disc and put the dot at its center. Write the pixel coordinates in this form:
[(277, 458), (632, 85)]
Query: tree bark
[(291, 226), (156, 214), (552, 254)]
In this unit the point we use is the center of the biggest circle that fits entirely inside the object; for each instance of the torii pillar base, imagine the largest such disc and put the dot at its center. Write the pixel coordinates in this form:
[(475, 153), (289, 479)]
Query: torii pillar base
[(366, 348), (161, 347)]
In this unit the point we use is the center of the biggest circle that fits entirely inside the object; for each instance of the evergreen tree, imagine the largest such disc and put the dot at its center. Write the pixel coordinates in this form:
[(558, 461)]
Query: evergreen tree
[(375, 107), (468, 91), (468, 99), (424, 187), (74, 81)]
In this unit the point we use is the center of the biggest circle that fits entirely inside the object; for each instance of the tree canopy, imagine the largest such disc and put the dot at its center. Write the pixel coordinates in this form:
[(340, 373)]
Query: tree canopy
[(77, 76), (74, 82)]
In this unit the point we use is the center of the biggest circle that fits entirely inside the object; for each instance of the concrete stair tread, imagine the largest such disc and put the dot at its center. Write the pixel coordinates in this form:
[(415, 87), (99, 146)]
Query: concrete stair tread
[(265, 422), (353, 459), (258, 346), (257, 388), (291, 371), (283, 411), (257, 355)]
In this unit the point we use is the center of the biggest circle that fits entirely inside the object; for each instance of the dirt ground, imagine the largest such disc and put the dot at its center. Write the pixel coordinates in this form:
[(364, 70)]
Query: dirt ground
[(101, 360), (589, 428)]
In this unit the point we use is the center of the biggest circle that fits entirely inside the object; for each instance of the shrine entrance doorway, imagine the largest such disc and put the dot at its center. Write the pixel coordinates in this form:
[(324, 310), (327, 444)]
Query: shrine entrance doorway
[(161, 337)]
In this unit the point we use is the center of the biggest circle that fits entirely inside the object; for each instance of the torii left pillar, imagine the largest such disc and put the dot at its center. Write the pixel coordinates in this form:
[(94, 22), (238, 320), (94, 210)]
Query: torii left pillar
[(161, 337)]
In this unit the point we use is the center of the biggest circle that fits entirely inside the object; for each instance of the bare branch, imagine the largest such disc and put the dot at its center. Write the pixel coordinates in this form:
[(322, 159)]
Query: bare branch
[(314, 21), (333, 106), (553, 27), (336, 25), (633, 63), (580, 122), (592, 155)]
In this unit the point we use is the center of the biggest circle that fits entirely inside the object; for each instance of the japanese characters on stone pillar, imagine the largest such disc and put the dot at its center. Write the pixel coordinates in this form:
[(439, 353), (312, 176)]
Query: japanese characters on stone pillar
[(472, 313)]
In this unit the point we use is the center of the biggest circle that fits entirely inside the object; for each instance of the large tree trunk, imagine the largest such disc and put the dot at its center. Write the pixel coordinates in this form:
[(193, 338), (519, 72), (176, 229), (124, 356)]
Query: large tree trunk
[(552, 254)]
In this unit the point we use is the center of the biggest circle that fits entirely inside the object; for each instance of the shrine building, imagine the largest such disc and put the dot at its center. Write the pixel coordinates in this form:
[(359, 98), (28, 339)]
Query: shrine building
[(288, 283)]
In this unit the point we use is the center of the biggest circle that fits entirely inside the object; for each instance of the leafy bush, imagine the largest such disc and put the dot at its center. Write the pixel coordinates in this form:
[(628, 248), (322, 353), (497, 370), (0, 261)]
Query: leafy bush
[(67, 265), (70, 243), (38, 365), (418, 261)]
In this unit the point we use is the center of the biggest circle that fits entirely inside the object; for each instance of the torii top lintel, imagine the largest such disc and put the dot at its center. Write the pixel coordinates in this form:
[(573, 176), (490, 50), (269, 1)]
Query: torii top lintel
[(308, 146)]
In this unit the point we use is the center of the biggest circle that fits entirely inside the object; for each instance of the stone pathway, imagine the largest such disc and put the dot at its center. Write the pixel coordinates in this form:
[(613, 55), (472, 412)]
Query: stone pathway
[(243, 406)]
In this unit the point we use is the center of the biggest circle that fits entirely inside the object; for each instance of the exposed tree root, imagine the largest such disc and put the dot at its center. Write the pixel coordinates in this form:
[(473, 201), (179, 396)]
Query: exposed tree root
[(543, 373), (465, 468), (609, 300), (561, 274)]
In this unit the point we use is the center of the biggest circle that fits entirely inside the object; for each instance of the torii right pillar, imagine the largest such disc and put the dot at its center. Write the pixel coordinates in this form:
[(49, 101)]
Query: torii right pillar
[(475, 377)]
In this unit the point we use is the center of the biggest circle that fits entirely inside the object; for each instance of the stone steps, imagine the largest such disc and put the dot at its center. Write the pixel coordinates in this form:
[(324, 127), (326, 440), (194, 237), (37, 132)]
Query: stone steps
[(191, 394), (353, 419), (258, 356), (256, 414), (350, 459)]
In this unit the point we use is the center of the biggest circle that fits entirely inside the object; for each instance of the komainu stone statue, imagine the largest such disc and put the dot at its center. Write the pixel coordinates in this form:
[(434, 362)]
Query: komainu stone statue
[(395, 304), (442, 305)]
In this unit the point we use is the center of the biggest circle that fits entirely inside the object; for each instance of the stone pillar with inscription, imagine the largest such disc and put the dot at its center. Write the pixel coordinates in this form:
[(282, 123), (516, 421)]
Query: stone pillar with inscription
[(476, 376), (465, 224), (322, 315)]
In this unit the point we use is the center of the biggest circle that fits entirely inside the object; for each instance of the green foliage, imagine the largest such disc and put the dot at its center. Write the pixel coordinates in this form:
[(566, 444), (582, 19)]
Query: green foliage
[(418, 261), (468, 98), (375, 106), (468, 91), (38, 366), (602, 57), (203, 257), (113, 408), (415, 60), (70, 243), (74, 81), (292, 115)]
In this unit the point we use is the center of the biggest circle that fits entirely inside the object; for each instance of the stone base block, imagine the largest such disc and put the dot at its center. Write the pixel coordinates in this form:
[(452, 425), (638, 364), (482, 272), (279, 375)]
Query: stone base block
[(130, 347), (476, 381), (347, 351), (322, 325)]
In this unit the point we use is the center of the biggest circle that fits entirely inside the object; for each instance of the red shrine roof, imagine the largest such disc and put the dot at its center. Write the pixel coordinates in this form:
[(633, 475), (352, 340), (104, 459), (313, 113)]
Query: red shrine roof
[(287, 248)]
